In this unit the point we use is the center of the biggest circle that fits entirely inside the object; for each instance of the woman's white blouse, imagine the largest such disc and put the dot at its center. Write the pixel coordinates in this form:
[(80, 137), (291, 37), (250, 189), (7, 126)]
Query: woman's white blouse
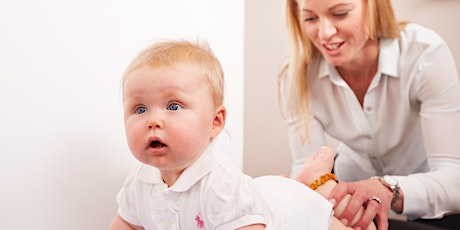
[(409, 125)]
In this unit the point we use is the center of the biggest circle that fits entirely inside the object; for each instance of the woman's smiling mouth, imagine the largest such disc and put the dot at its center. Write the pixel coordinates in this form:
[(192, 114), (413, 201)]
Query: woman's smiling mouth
[(333, 46)]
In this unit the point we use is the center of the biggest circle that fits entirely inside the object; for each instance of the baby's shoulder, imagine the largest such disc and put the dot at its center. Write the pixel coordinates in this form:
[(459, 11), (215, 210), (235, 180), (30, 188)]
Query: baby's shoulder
[(227, 178)]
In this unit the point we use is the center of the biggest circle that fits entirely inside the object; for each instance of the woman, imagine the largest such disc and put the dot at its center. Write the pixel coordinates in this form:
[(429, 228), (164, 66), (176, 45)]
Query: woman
[(389, 93)]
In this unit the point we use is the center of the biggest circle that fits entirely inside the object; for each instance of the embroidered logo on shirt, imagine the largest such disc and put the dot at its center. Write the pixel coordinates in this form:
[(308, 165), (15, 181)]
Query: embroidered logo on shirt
[(199, 222)]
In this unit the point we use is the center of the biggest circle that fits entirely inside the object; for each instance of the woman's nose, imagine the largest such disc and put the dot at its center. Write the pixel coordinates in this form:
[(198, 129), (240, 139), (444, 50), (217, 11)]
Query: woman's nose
[(326, 30)]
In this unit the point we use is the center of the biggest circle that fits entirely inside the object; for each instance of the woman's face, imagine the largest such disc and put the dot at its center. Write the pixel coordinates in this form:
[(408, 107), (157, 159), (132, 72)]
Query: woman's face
[(337, 28)]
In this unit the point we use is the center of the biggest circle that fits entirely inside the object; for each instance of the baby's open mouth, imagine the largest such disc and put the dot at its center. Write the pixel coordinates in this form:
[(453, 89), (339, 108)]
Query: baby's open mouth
[(157, 144)]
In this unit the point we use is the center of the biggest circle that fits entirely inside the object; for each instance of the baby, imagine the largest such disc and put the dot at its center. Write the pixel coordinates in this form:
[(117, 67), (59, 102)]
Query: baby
[(173, 109)]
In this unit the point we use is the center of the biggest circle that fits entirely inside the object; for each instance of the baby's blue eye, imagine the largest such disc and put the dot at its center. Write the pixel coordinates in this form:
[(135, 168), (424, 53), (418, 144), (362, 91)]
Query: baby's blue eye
[(140, 110), (174, 106)]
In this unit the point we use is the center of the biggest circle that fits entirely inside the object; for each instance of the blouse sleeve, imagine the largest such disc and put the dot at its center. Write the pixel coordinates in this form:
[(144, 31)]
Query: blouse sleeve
[(439, 94)]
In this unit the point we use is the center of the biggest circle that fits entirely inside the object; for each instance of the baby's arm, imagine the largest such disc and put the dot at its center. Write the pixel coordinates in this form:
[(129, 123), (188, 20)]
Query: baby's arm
[(317, 165), (119, 224)]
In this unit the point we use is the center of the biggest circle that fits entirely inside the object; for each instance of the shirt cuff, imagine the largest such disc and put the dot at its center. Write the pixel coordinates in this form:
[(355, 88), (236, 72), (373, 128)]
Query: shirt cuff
[(415, 196)]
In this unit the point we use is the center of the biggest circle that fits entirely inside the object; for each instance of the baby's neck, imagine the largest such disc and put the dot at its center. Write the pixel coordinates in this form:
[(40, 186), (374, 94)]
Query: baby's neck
[(170, 178)]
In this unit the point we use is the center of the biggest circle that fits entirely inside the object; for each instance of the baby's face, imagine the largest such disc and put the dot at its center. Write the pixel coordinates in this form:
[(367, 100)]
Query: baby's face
[(169, 116)]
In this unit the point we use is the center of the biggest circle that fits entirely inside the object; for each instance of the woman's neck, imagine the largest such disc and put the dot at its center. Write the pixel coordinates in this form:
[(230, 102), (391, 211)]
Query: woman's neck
[(359, 73), (365, 64)]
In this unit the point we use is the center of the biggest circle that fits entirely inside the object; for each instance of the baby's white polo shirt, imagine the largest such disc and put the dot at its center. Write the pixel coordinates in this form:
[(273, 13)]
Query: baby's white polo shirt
[(210, 194)]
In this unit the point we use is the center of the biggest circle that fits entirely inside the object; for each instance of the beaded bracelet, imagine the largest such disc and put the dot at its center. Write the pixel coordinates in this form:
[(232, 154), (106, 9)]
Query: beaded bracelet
[(322, 180)]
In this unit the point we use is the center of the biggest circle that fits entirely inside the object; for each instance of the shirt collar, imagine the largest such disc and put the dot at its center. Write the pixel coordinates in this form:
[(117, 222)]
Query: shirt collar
[(389, 57), (324, 68), (205, 164), (388, 61)]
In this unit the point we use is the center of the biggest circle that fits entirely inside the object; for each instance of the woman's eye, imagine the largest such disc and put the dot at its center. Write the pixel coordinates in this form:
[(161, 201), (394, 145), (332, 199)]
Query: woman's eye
[(341, 14), (309, 19), (174, 106), (140, 110)]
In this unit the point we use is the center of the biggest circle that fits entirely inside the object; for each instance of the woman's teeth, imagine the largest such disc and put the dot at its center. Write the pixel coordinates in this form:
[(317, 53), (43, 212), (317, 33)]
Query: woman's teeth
[(333, 46)]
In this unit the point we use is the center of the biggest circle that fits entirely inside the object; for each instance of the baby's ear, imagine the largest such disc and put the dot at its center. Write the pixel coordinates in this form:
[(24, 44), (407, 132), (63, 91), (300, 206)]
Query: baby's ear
[(219, 120)]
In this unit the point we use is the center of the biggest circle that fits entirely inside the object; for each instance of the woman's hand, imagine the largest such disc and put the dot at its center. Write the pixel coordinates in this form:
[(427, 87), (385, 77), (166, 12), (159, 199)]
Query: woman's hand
[(364, 194)]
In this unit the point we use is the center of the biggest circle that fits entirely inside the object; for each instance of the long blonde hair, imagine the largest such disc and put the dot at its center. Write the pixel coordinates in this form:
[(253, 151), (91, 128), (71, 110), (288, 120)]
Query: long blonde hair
[(381, 23)]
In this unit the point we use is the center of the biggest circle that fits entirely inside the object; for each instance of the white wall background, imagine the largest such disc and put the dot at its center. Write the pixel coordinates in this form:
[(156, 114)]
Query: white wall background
[(63, 153)]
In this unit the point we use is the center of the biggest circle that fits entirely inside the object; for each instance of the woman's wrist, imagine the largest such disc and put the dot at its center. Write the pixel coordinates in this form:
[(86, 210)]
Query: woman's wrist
[(397, 202), (398, 206)]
